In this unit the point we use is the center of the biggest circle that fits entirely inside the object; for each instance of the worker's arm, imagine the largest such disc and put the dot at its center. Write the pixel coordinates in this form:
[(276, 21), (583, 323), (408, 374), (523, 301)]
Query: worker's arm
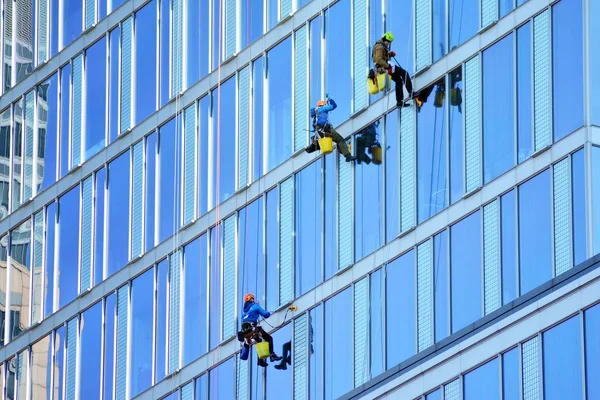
[(379, 57), (330, 106), (312, 112), (262, 311)]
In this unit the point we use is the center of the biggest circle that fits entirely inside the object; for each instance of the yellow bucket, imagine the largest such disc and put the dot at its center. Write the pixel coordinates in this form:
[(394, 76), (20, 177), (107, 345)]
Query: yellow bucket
[(262, 348), (326, 145), (377, 155), (376, 88)]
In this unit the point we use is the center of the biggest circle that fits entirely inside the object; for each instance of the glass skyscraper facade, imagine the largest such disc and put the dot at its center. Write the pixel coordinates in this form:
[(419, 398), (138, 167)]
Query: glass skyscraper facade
[(152, 172)]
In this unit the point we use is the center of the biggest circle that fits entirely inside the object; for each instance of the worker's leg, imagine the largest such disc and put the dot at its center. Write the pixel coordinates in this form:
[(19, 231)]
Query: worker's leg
[(339, 140), (287, 356), (269, 339), (402, 74)]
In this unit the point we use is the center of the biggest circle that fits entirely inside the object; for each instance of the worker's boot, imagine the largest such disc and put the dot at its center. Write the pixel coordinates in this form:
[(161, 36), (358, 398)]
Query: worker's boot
[(275, 357), (262, 363), (350, 158)]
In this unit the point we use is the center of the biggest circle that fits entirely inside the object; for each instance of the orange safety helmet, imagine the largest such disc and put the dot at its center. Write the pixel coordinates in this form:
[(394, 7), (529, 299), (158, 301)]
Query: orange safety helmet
[(321, 103), (249, 297)]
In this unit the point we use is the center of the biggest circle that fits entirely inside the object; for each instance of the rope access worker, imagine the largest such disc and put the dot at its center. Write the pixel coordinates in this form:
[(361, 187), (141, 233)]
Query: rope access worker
[(365, 140), (250, 315), (381, 56), (321, 124)]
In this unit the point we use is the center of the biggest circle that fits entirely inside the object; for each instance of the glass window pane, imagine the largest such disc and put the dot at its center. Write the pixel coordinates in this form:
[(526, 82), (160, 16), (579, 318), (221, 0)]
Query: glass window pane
[(217, 42), (562, 361), (194, 323), (399, 21), (145, 61), (95, 89), (464, 21), (596, 199), (524, 91), (456, 136), (17, 157), (257, 20), (273, 15), (250, 244), (196, 19), (567, 63), (272, 249), (400, 283), (222, 380), (594, 11), (251, 21), (5, 135), (535, 236), (280, 382), (90, 352), (437, 395), (465, 266), (8, 39), (510, 375), (72, 21), (315, 321), (4, 259), (20, 272), (68, 246), (338, 68), (224, 119), (257, 121), (592, 352), (506, 6), (201, 385), (441, 285), (498, 122), (216, 240), (47, 132), (509, 250), (118, 213), (376, 321), (99, 225), (161, 320), (150, 190), (109, 345), (439, 29), (59, 353), (41, 358), (431, 155), (316, 76), (204, 114), (279, 92), (65, 95), (169, 178), (330, 224), (392, 177), (164, 52), (482, 383), (338, 345), (49, 260), (579, 214), (140, 367)]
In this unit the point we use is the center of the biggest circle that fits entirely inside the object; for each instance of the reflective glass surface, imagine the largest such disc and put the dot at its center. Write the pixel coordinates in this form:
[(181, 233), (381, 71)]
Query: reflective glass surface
[(250, 250), (150, 190), (376, 32), (524, 92), (203, 117), (49, 259), (257, 109), (567, 63), (592, 352), (392, 177), (68, 246), (169, 156), (95, 90), (5, 141), (41, 355), (465, 267), (195, 261), (330, 209), (140, 363), (161, 320), (224, 119), (164, 54), (279, 92), (280, 382), (65, 95), (510, 375), (72, 21), (439, 29), (482, 383), (113, 111), (201, 387), (398, 20), (90, 348), (594, 12), (464, 21), (216, 241), (441, 285), (47, 115), (17, 156), (400, 309), (59, 354), (316, 71), (437, 395), (506, 6), (109, 345), (579, 213), (508, 246), (145, 60), (377, 317), (338, 345), (272, 250), (118, 213), (309, 222), (535, 235), (596, 199), (316, 335), (456, 136), (217, 33), (562, 361), (498, 122), (222, 380)]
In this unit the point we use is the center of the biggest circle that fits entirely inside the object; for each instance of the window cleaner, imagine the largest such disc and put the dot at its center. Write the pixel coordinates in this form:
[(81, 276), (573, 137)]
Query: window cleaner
[(366, 139)]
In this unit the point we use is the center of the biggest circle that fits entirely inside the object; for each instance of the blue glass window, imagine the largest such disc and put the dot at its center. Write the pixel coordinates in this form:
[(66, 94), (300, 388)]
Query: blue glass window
[(498, 122), (53, 28), (169, 140), (279, 92), (331, 209), (280, 382), (224, 118), (257, 107), (524, 91), (203, 117), (579, 214), (222, 380), (116, 4), (118, 213), (20, 272), (150, 189), (562, 361), (72, 21), (113, 112), (400, 309), (567, 63), (398, 20), (465, 267), (59, 353), (441, 284), (42, 355), (250, 245), (47, 131), (506, 6), (90, 352), (596, 199), (5, 136), (198, 28), (392, 177), (161, 320), (65, 95), (482, 382), (509, 250), (308, 254), (145, 61), (338, 345), (251, 21), (164, 55), (456, 136), (315, 326), (49, 260), (201, 386), (439, 29), (217, 29), (338, 68), (216, 241), (272, 249), (140, 367), (272, 13), (437, 395), (594, 12), (109, 345), (592, 352), (510, 375), (431, 155), (377, 342), (99, 226), (464, 21), (68, 246), (195, 288), (95, 81), (316, 77), (535, 235)]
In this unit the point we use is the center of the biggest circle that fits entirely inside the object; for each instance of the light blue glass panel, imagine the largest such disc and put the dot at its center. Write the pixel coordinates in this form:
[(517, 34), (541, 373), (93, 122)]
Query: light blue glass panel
[(530, 353), (439, 30), (542, 83), (509, 246), (300, 358), (189, 159), (489, 12), (286, 241), (86, 236), (345, 220), (187, 392), (137, 192), (563, 259), (121, 364), (408, 174), (441, 285), (126, 73), (42, 31), (424, 296), (464, 19), (71, 361), (229, 269), (38, 257), (592, 352), (594, 12), (146, 87), (286, 8), (77, 116), (338, 345), (244, 126), (300, 88), (242, 381), (524, 92), (230, 28), (361, 332), (510, 375), (361, 54), (596, 200), (141, 346), (563, 361), (491, 257), (29, 150), (580, 216), (90, 13), (174, 309), (176, 48), (423, 33), (473, 124), (483, 382), (452, 390)]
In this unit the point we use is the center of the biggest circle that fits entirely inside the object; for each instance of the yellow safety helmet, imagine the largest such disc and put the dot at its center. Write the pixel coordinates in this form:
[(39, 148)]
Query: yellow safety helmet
[(389, 36), (249, 297), (321, 103)]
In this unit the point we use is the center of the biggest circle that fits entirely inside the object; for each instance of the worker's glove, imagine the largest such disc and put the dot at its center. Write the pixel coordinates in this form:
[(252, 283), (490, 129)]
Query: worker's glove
[(390, 70), (392, 54)]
